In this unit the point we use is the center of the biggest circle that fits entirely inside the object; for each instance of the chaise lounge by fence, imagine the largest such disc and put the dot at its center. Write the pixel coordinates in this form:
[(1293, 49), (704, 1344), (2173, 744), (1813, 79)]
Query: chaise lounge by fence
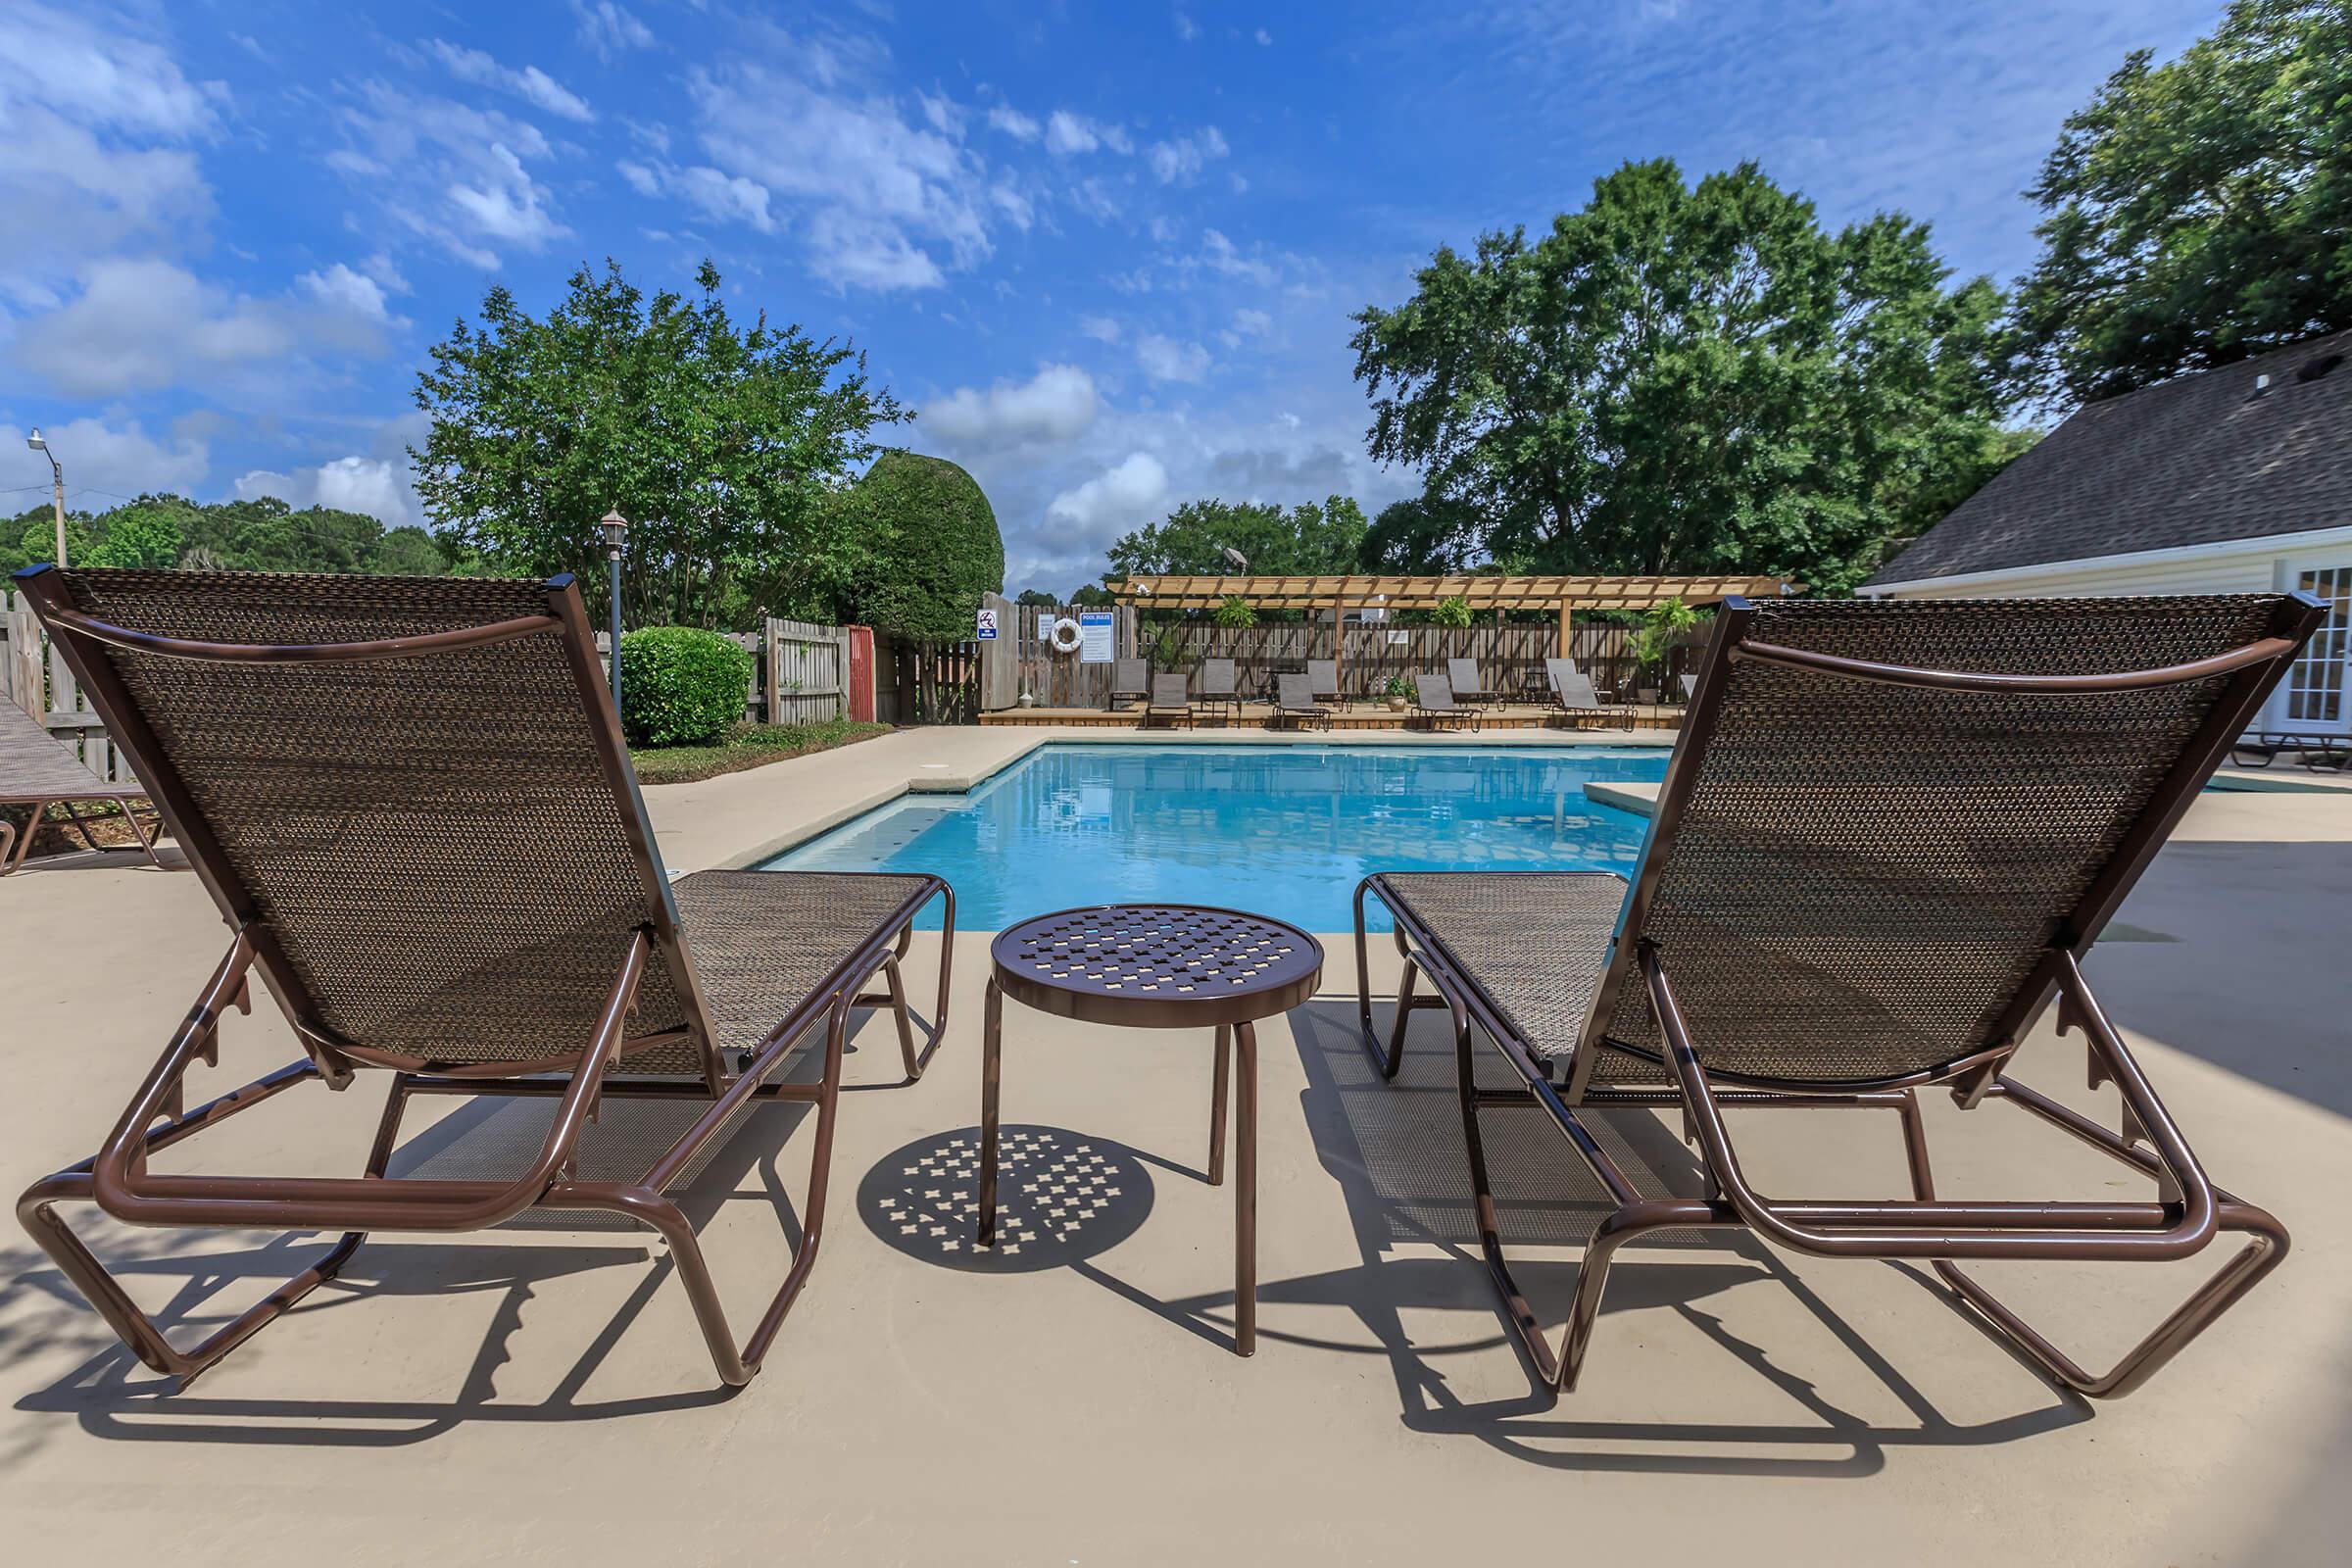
[(410, 801), (1860, 884)]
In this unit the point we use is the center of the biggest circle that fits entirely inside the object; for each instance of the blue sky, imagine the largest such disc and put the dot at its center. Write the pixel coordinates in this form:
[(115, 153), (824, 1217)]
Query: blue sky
[(1109, 251)]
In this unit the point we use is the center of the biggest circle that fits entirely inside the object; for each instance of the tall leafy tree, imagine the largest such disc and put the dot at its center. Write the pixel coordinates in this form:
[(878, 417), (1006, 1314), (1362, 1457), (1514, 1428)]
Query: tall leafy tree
[(721, 444), (1684, 378), (1300, 540), (1424, 536), (2198, 211)]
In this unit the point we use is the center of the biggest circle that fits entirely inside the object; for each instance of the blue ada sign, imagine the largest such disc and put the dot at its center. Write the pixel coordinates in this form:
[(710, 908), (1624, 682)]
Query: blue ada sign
[(987, 629)]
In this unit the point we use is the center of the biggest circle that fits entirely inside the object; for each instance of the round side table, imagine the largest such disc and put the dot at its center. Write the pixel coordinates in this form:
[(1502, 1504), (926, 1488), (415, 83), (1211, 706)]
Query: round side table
[(1158, 967)]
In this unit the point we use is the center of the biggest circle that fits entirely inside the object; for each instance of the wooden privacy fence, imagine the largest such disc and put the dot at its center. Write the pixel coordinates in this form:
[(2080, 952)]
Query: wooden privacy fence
[(926, 683), (35, 678), (1510, 657)]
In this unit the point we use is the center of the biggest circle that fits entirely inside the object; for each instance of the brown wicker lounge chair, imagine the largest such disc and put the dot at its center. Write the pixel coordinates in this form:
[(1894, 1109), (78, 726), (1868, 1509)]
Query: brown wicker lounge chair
[(1295, 706), (1168, 704), (1434, 706), (1130, 681), (410, 801), (38, 770), (1862, 881), (1462, 675)]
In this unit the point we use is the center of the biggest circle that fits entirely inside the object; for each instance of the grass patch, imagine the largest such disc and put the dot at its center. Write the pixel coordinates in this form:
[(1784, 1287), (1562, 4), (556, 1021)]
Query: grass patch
[(747, 746)]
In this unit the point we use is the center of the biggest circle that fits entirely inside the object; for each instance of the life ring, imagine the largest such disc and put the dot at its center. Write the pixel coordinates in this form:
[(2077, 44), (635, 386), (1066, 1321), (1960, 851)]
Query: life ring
[(1065, 636)]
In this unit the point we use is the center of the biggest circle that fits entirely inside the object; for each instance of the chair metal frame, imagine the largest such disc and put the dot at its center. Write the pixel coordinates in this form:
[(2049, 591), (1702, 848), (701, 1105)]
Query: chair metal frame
[(118, 1179), (2190, 1210)]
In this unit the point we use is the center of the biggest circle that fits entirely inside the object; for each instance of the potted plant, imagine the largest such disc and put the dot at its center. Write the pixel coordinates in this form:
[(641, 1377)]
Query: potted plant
[(1400, 693)]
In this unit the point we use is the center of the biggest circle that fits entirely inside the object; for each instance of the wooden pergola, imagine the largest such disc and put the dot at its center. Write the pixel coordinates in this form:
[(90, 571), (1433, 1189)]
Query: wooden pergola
[(1342, 594)]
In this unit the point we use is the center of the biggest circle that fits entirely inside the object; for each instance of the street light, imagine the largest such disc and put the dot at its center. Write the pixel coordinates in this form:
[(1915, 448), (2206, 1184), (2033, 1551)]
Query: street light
[(57, 492), (616, 529), (1235, 559)]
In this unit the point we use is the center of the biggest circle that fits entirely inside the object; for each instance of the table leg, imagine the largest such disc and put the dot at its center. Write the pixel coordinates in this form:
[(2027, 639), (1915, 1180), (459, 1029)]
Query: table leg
[(991, 1042), (1245, 1196), (1216, 1106)]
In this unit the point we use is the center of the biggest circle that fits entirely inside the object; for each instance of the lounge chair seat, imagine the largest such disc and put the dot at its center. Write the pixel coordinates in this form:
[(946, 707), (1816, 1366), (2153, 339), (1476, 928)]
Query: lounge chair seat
[(38, 770)]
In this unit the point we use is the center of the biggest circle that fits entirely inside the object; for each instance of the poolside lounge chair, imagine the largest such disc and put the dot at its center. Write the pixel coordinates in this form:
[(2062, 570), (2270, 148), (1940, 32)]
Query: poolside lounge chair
[(2318, 752), (1323, 681), (1295, 706), (1862, 881), (1130, 681), (1217, 689), (38, 771), (1434, 707), (1168, 701), (1573, 698), (1462, 674), (410, 801)]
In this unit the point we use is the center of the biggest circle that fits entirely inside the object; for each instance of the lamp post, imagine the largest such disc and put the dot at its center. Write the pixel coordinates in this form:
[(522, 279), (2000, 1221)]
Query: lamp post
[(57, 491), (616, 529)]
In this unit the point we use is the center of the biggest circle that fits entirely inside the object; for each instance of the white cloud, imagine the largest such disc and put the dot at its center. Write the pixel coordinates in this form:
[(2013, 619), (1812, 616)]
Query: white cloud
[(352, 293), (1265, 37), (530, 83), (1067, 133), (97, 75), (609, 29), (643, 180), (719, 196), (1012, 122), (1114, 501), (1186, 28), (450, 173), (1163, 358), (379, 487), (121, 461), (1252, 323), (1220, 255), (506, 206), (1012, 203), (1056, 405), (888, 204), (1101, 328), (1182, 158), (141, 326)]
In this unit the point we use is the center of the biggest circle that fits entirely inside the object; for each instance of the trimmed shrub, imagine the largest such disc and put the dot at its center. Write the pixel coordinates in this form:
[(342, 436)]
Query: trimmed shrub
[(937, 548), (680, 686)]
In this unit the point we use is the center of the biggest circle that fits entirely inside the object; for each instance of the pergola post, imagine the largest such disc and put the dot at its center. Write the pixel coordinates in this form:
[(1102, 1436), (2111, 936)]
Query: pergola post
[(1564, 643)]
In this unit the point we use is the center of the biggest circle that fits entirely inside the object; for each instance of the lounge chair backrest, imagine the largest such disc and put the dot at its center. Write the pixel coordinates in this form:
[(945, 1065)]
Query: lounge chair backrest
[(1463, 673), (439, 849), (1573, 688), (1858, 873), (1167, 691), (1323, 676), (1294, 691), (1128, 675), (1436, 691), (1216, 677)]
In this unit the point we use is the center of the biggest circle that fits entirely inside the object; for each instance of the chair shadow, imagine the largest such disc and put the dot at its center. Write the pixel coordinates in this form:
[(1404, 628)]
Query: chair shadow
[(113, 1395), (1396, 1150)]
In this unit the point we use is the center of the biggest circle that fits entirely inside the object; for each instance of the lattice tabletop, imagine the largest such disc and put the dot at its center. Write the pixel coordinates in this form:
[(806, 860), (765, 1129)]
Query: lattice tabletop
[(1158, 965)]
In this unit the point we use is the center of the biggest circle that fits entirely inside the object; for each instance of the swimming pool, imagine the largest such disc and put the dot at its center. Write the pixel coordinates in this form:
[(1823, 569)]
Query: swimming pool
[(1281, 830)]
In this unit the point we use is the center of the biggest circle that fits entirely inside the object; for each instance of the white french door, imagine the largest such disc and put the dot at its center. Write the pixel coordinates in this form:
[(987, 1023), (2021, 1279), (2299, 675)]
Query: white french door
[(2315, 701)]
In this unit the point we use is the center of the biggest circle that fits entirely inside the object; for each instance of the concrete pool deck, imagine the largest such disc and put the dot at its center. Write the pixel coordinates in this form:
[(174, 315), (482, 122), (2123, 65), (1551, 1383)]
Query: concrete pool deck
[(543, 1397)]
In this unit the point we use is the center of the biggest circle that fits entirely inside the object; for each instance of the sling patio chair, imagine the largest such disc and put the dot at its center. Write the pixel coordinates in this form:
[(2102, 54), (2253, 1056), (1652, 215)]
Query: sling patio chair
[(39, 770), (1462, 675), (1294, 705), (1889, 835), (1217, 689), (1434, 704), (1169, 702), (410, 801), (1573, 699), (1130, 682), (1323, 682)]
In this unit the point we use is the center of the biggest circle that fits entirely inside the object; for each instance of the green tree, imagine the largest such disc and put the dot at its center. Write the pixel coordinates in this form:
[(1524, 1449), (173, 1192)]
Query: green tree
[(936, 549), (2198, 211), (1684, 379), (1037, 599), (1427, 536), (727, 448), (31, 536), (1303, 541), (408, 551), (1092, 596), (138, 534)]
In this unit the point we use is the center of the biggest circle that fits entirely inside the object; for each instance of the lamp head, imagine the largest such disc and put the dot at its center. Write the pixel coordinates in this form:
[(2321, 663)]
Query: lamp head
[(34, 440), (616, 529)]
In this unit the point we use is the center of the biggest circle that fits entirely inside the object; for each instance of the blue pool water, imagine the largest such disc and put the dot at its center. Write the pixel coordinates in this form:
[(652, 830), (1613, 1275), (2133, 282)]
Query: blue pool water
[(1285, 831)]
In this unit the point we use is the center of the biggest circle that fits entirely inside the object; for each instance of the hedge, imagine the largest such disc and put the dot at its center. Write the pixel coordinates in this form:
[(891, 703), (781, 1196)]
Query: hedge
[(939, 548), (680, 686)]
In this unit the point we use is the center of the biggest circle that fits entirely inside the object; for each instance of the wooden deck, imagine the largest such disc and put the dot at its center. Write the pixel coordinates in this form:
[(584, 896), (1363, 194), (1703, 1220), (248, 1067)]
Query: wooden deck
[(1359, 717)]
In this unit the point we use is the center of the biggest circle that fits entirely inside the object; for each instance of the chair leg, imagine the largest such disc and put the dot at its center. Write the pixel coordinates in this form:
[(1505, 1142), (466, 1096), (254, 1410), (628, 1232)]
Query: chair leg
[(10, 858), (2264, 1251)]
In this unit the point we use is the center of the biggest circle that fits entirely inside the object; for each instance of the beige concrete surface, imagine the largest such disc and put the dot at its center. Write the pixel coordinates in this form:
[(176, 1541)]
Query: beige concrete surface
[(543, 1397)]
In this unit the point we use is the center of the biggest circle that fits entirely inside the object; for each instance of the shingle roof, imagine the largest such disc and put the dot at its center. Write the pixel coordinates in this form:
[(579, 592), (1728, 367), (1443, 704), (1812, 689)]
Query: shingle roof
[(2199, 459)]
